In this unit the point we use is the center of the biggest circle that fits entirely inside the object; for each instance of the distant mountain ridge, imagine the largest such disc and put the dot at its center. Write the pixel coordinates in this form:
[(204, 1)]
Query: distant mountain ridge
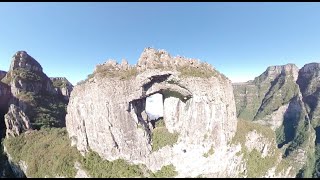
[(287, 99)]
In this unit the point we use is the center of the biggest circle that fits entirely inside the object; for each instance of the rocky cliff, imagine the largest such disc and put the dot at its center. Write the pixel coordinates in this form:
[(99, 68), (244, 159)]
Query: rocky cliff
[(163, 117), (62, 86), (34, 101), (107, 114), (285, 99), (29, 100)]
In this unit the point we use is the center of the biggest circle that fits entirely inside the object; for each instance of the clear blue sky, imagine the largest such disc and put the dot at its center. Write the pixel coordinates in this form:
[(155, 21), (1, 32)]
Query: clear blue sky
[(239, 39)]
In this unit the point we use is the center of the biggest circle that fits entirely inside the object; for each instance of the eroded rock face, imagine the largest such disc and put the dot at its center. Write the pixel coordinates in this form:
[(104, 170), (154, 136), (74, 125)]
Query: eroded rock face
[(16, 121), (25, 74), (22, 60), (104, 114), (284, 98), (267, 92), (62, 86), (33, 97), (309, 83)]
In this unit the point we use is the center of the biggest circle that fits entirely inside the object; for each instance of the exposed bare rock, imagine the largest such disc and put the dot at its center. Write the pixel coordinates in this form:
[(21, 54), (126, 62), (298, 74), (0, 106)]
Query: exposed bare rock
[(273, 72), (62, 86), (33, 95), (275, 119), (285, 99), (104, 113), (80, 172), (256, 141), (16, 121), (267, 92), (22, 60), (309, 83), (25, 74)]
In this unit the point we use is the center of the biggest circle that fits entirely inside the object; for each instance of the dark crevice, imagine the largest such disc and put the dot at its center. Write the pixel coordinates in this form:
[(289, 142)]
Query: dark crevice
[(139, 107), (317, 129), (2, 124), (168, 93), (312, 102), (5, 169), (155, 79)]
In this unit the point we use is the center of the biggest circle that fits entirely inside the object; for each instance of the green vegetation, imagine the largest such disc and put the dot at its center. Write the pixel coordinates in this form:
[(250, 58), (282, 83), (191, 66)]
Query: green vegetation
[(281, 92), (205, 136), (89, 76), (99, 168), (308, 169), (316, 172), (160, 123), (282, 166), (256, 165), (27, 75), (260, 98), (44, 110), (210, 152), (27, 97), (46, 152), (244, 127), (165, 172), (162, 137), (280, 135), (6, 79), (59, 83), (4, 166), (248, 100), (108, 71), (202, 71), (301, 137)]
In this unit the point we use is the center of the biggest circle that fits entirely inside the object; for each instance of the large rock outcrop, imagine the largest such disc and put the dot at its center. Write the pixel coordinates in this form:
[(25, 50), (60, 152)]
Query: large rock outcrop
[(267, 92), (16, 121), (33, 97), (106, 114), (309, 83), (25, 74)]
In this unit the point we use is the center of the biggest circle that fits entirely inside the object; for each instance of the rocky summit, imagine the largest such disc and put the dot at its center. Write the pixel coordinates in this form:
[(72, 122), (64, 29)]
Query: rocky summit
[(165, 116), (31, 93), (107, 114), (29, 101)]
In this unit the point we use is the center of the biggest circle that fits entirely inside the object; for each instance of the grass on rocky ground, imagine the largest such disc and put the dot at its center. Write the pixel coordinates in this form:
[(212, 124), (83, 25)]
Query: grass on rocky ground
[(256, 165), (48, 153), (161, 137)]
